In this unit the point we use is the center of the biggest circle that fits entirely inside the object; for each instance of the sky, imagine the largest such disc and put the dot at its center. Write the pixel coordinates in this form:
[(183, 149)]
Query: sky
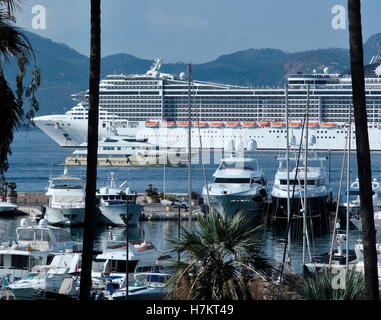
[(197, 30)]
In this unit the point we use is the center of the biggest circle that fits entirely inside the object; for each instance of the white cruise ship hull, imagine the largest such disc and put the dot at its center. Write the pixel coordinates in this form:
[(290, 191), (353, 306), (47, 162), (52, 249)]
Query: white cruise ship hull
[(68, 132)]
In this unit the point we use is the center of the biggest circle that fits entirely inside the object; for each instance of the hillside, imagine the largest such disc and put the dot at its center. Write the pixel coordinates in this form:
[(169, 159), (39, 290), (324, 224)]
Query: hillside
[(65, 71)]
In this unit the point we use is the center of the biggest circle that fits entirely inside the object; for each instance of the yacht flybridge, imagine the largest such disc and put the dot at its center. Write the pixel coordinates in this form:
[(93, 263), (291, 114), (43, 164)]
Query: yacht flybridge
[(153, 106), (239, 186)]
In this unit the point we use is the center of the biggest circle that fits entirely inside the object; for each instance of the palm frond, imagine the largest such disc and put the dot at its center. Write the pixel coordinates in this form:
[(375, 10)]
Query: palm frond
[(223, 254), (11, 5)]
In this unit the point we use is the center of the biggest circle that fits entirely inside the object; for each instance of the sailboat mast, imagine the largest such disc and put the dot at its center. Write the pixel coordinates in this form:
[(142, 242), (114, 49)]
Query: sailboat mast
[(189, 143), (288, 177), (348, 185), (305, 176)]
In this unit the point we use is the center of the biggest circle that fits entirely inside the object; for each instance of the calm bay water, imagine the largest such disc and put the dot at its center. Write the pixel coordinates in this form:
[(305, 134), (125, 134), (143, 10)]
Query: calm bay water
[(36, 157)]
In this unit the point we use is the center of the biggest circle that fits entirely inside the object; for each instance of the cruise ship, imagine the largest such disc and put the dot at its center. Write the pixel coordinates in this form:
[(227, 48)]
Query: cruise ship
[(154, 106)]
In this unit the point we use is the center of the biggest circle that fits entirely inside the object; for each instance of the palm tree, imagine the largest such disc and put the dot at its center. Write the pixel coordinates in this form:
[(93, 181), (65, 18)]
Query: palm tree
[(224, 259), (14, 48), (92, 146), (319, 286), (363, 153)]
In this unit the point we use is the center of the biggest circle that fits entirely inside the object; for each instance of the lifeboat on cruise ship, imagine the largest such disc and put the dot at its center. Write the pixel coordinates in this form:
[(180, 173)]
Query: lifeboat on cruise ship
[(233, 124), (295, 124), (313, 124), (201, 124), (328, 125), (152, 124), (183, 124), (169, 124), (249, 124), (264, 123), (277, 124), (217, 124)]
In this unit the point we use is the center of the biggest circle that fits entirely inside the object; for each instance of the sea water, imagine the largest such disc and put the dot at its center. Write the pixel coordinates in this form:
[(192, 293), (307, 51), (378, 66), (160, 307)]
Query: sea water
[(36, 157)]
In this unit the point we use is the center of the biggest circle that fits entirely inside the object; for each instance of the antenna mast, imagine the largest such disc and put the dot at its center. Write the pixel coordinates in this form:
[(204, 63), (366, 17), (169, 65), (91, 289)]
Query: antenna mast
[(189, 143)]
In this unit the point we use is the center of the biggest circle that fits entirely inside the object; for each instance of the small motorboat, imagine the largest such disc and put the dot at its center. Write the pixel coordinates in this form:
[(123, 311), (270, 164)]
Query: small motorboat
[(264, 123), (249, 124), (152, 124), (47, 278), (201, 124), (277, 124), (217, 124), (117, 207)]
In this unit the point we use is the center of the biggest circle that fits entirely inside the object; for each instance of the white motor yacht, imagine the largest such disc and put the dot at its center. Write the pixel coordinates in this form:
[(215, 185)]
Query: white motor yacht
[(66, 200), (47, 278), (318, 191), (117, 207), (143, 256), (239, 186), (147, 286), (36, 244), (122, 151)]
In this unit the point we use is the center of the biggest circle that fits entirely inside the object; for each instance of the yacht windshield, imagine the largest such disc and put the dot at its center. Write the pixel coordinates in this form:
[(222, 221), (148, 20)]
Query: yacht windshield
[(32, 275), (309, 182), (232, 180), (25, 235), (243, 165), (66, 184)]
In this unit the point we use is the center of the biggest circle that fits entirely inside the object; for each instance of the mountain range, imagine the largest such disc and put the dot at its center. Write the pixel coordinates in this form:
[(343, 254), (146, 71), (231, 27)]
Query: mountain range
[(64, 71)]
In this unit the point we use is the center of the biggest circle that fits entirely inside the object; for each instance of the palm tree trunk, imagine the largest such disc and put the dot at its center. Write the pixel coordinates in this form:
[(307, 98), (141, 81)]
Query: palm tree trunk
[(92, 146), (363, 152)]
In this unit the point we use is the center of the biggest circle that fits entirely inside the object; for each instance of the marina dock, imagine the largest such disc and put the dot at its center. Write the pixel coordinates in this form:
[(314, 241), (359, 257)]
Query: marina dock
[(31, 203)]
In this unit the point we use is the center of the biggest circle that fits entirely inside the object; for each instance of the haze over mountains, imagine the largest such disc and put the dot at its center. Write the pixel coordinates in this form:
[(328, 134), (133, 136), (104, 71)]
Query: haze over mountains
[(65, 71)]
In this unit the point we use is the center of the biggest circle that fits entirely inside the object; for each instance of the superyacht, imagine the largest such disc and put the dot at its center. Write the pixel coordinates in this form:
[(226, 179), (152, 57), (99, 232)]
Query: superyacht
[(239, 186), (154, 106)]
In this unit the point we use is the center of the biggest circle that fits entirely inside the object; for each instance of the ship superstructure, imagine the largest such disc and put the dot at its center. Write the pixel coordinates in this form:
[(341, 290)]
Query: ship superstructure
[(154, 106)]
